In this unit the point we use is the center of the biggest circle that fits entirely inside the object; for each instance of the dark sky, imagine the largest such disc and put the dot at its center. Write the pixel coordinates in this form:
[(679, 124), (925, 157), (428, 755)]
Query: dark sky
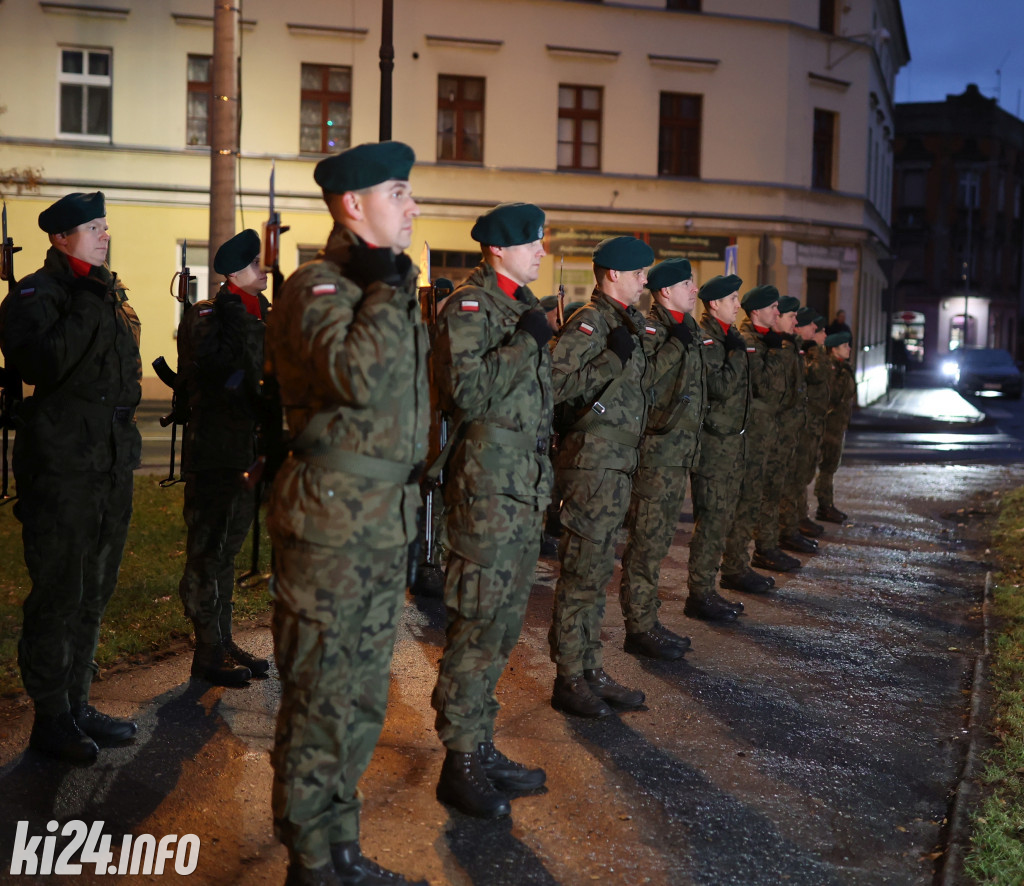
[(956, 42)]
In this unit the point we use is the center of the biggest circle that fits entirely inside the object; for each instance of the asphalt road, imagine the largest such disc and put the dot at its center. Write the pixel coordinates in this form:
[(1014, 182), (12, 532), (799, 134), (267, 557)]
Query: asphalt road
[(819, 740)]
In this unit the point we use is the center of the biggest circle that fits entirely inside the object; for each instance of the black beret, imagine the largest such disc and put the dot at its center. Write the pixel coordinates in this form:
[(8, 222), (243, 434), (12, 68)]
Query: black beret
[(838, 338), (788, 304), (623, 254), (71, 211), (806, 316), (573, 307), (719, 287), (443, 286), (762, 296), (668, 273), (509, 224), (237, 253), (820, 322), (549, 302), (364, 166)]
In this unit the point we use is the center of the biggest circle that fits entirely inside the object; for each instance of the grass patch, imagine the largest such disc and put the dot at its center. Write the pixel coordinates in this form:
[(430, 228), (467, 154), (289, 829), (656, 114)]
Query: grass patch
[(997, 850), (145, 615)]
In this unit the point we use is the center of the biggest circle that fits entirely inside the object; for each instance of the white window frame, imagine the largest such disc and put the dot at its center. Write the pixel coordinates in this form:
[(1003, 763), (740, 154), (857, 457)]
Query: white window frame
[(85, 79)]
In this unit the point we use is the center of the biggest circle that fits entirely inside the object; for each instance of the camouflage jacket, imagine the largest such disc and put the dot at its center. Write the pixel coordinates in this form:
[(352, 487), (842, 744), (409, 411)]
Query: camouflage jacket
[(816, 366), (842, 391), (583, 369), (767, 376), (220, 364), (492, 375), (77, 340), (678, 394), (795, 396), (728, 382), (351, 367)]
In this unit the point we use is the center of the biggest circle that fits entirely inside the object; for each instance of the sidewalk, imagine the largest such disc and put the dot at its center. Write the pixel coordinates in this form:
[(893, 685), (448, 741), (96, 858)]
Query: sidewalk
[(918, 409)]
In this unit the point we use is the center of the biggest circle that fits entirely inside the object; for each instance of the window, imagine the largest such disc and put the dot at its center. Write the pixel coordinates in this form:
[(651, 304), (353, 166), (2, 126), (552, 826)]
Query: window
[(200, 88), (460, 118), (85, 85), (688, 5), (679, 134), (823, 149), (326, 110), (914, 188), (827, 16), (579, 127), (453, 264)]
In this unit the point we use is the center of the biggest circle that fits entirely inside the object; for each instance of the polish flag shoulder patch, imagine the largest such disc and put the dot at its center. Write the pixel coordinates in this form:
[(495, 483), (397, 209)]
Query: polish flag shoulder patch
[(707, 342), (751, 350), (28, 290), (586, 328), (651, 330), (469, 305), (324, 289), (203, 311)]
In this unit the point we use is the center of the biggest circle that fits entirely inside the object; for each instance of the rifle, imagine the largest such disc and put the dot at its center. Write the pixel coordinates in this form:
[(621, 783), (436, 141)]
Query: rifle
[(270, 430), (12, 392), (179, 410), (560, 306)]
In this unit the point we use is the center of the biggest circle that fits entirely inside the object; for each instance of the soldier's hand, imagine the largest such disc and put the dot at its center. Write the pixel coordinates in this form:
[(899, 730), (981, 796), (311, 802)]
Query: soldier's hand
[(682, 332), (773, 339), (734, 342), (536, 323), (621, 343), (367, 265)]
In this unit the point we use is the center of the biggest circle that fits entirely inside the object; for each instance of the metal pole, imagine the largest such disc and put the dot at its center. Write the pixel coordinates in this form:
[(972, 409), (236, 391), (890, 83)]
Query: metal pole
[(223, 128), (387, 66), (969, 189)]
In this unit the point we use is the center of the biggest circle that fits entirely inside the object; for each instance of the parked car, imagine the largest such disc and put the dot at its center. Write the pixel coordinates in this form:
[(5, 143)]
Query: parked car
[(983, 370)]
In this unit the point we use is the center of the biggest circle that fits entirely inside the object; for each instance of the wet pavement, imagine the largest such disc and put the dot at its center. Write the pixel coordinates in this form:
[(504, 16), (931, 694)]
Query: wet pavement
[(819, 740)]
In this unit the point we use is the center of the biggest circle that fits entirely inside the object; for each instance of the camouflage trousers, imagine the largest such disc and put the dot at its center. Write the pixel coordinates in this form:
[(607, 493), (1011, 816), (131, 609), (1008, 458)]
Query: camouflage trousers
[(808, 451), (757, 441), (335, 671), (218, 512), (651, 523), (714, 488), (485, 598), (593, 508), (797, 440), (73, 527), (828, 464), (780, 451)]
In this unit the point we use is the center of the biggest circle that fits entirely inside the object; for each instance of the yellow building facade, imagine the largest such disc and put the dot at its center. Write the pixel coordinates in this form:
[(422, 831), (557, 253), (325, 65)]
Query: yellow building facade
[(762, 138)]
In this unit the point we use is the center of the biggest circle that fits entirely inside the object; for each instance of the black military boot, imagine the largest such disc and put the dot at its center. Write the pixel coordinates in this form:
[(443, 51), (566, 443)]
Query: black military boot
[(799, 543), (258, 667), (811, 529), (605, 688), (710, 608), (573, 695), (210, 662), (651, 644), (506, 774), (59, 736), (775, 560), (464, 785), (355, 869), (749, 582), (732, 604), (671, 636), (830, 514), (102, 728), (323, 876)]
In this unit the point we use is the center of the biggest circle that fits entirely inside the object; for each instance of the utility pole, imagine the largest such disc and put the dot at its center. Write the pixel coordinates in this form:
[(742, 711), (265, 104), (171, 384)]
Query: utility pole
[(223, 128), (969, 186), (387, 67)]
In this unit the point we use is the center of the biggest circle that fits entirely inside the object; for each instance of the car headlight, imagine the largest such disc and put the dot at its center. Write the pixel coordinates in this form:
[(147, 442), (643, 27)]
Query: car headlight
[(950, 368)]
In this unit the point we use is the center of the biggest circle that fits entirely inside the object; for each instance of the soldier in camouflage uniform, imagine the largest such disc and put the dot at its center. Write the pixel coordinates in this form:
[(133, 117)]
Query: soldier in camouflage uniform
[(767, 385), (602, 376), (493, 368), (842, 393), (68, 330), (715, 480), (220, 364), (349, 350), (810, 326), (667, 452)]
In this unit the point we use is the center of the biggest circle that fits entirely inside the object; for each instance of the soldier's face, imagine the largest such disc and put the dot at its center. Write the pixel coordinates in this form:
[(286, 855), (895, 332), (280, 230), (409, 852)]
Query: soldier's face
[(725, 309), (681, 296), (251, 279), (385, 215), (766, 317), (806, 332), (520, 263), (819, 337), (786, 324), (626, 286), (842, 352), (88, 242)]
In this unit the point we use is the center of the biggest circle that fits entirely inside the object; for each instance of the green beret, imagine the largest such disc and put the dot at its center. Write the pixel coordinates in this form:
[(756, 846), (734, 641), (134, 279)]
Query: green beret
[(762, 296), (719, 287), (838, 338), (442, 287), (509, 224), (237, 253), (71, 211), (820, 322), (788, 304), (549, 302), (364, 166), (573, 307), (668, 273), (806, 316), (623, 254)]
